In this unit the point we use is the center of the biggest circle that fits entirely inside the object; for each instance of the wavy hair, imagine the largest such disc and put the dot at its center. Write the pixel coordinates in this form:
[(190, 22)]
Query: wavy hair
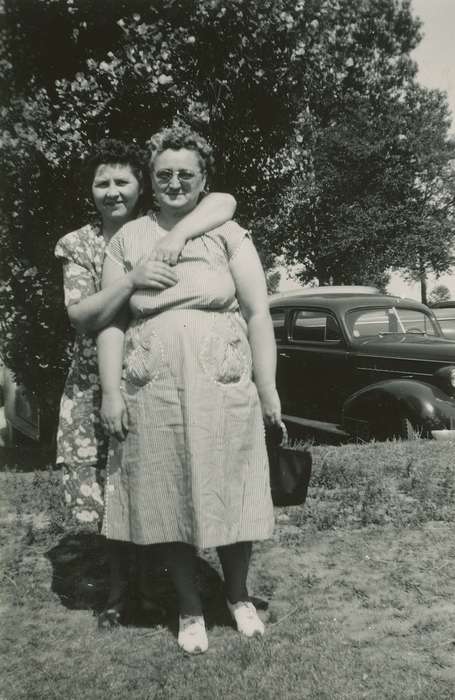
[(177, 137), (113, 151)]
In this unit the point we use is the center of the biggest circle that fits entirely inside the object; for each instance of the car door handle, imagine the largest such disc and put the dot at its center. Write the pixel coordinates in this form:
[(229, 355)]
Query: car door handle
[(285, 355)]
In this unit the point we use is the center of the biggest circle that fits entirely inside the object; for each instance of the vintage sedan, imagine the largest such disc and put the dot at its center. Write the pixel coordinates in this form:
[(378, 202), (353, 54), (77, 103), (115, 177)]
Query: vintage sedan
[(358, 364)]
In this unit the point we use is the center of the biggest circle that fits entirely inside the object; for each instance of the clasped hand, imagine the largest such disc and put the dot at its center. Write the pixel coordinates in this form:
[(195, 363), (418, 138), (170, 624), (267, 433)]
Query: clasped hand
[(169, 248), (155, 272)]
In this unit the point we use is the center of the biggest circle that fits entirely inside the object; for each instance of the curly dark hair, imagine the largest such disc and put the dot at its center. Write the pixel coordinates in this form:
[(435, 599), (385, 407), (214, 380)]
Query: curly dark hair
[(112, 151), (177, 137)]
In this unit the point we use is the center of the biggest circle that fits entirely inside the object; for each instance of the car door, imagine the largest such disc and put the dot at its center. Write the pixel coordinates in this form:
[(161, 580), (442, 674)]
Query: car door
[(313, 365)]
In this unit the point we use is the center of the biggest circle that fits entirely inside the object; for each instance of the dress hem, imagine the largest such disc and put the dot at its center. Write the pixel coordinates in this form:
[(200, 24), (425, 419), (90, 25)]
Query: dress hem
[(251, 536)]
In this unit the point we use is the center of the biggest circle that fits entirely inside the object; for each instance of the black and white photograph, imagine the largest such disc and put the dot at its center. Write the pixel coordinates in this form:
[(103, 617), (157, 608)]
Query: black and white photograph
[(227, 349)]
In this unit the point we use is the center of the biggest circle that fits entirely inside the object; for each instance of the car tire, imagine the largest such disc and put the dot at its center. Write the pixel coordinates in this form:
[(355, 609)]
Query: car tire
[(399, 428), (406, 430)]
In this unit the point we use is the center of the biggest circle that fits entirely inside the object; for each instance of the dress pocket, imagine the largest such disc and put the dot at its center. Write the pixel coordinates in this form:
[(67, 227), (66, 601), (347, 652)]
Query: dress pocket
[(144, 363), (225, 352)]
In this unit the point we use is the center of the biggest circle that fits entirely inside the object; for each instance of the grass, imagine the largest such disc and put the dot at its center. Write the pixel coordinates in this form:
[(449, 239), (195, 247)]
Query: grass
[(359, 583)]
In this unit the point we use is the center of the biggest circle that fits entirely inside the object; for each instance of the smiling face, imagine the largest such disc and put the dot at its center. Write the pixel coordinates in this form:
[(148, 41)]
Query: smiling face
[(178, 181), (115, 190)]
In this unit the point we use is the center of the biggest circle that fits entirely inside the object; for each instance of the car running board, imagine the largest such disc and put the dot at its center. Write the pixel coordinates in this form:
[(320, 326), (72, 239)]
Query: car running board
[(317, 426)]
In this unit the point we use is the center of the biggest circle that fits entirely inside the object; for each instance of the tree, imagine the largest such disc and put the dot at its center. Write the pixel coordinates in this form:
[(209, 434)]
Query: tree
[(273, 279), (125, 69), (438, 294), (379, 192)]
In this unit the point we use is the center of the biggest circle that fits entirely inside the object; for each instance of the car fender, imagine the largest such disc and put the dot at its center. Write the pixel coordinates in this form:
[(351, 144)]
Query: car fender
[(425, 405)]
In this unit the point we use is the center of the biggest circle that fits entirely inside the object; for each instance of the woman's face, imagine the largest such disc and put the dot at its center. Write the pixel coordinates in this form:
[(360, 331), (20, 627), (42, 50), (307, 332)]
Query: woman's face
[(116, 190), (177, 180)]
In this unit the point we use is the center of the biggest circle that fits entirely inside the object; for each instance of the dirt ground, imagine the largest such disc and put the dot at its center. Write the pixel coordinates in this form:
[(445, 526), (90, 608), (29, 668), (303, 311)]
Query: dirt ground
[(388, 593)]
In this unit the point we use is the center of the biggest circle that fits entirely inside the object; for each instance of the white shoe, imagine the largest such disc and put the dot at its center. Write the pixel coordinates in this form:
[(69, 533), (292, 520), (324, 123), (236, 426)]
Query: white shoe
[(247, 620), (192, 635)]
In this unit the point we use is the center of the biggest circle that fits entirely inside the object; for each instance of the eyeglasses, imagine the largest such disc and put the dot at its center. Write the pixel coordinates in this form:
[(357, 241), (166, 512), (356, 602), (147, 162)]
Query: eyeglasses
[(165, 176)]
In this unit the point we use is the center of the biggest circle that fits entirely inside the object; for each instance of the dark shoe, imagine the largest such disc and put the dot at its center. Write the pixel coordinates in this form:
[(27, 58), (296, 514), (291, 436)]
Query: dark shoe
[(109, 619), (111, 616)]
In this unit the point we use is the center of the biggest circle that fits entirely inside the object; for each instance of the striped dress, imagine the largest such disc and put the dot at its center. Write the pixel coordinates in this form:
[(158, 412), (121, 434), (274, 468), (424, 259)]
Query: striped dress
[(193, 467)]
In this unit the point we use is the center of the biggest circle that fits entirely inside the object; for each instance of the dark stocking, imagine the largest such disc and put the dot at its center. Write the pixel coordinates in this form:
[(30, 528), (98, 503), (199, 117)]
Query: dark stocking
[(146, 556), (118, 558), (180, 559), (235, 562)]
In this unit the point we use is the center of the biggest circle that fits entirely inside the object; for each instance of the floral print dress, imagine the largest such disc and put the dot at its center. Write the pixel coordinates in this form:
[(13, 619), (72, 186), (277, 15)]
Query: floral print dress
[(81, 443)]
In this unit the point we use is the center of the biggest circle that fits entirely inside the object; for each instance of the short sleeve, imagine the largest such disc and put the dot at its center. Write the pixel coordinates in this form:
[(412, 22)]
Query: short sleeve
[(115, 249), (78, 280), (233, 236)]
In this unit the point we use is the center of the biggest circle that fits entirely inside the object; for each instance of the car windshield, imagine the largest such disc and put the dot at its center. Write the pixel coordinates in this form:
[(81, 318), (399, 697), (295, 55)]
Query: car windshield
[(367, 323)]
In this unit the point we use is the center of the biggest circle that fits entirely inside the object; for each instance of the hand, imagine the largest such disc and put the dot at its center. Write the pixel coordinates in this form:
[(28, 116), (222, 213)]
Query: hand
[(169, 247), (271, 406), (114, 415), (152, 274)]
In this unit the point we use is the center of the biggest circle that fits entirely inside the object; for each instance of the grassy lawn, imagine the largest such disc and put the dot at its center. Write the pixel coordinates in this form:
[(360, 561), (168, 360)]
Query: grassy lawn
[(360, 586)]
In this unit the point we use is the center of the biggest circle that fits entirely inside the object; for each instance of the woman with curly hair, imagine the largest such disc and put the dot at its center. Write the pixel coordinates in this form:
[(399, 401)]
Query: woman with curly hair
[(118, 180), (188, 466)]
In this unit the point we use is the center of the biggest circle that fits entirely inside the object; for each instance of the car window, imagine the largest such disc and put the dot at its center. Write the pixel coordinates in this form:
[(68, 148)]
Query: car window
[(446, 318), (315, 326), (370, 322), (414, 320), (278, 319)]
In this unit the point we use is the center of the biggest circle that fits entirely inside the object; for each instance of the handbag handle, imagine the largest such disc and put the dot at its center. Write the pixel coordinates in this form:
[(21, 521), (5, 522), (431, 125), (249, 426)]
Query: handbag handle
[(285, 438)]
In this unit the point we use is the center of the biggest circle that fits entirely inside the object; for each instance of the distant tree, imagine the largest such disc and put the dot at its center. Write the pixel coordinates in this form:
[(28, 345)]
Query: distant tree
[(379, 193), (439, 293), (427, 243), (273, 278)]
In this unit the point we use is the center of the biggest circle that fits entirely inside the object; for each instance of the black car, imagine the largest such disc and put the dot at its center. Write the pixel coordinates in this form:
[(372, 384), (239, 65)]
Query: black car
[(362, 365)]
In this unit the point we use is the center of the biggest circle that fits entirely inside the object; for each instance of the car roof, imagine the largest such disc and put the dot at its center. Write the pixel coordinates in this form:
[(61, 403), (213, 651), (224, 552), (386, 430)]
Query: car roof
[(341, 301)]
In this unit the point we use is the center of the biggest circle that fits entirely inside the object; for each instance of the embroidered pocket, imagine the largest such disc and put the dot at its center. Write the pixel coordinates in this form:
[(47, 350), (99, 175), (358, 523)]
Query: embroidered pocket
[(145, 362), (225, 354)]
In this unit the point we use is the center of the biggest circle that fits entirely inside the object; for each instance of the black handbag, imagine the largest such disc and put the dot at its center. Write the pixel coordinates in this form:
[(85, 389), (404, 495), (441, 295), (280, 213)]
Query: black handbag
[(290, 468)]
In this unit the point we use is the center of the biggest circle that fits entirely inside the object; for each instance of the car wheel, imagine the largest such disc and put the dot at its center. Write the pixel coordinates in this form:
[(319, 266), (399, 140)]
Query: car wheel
[(406, 431), (399, 428)]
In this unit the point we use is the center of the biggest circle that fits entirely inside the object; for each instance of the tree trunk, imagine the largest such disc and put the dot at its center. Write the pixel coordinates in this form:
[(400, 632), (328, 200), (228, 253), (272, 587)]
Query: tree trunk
[(423, 288), (423, 281)]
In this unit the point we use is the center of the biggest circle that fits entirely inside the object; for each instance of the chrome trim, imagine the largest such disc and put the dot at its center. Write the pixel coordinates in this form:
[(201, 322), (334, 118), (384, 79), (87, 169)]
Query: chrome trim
[(395, 371)]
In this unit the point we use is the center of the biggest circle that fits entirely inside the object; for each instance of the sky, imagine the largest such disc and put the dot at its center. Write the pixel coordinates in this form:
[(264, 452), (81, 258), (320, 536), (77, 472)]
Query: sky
[(435, 57)]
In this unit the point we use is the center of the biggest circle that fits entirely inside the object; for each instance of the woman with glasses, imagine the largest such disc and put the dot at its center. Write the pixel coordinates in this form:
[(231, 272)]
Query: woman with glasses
[(117, 178), (188, 466)]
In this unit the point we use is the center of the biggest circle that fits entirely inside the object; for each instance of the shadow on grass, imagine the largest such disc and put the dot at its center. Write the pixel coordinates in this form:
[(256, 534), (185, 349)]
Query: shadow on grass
[(80, 578)]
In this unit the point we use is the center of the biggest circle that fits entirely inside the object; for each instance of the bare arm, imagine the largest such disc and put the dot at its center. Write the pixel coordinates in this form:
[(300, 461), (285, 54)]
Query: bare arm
[(110, 357), (97, 310), (213, 210), (251, 289)]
